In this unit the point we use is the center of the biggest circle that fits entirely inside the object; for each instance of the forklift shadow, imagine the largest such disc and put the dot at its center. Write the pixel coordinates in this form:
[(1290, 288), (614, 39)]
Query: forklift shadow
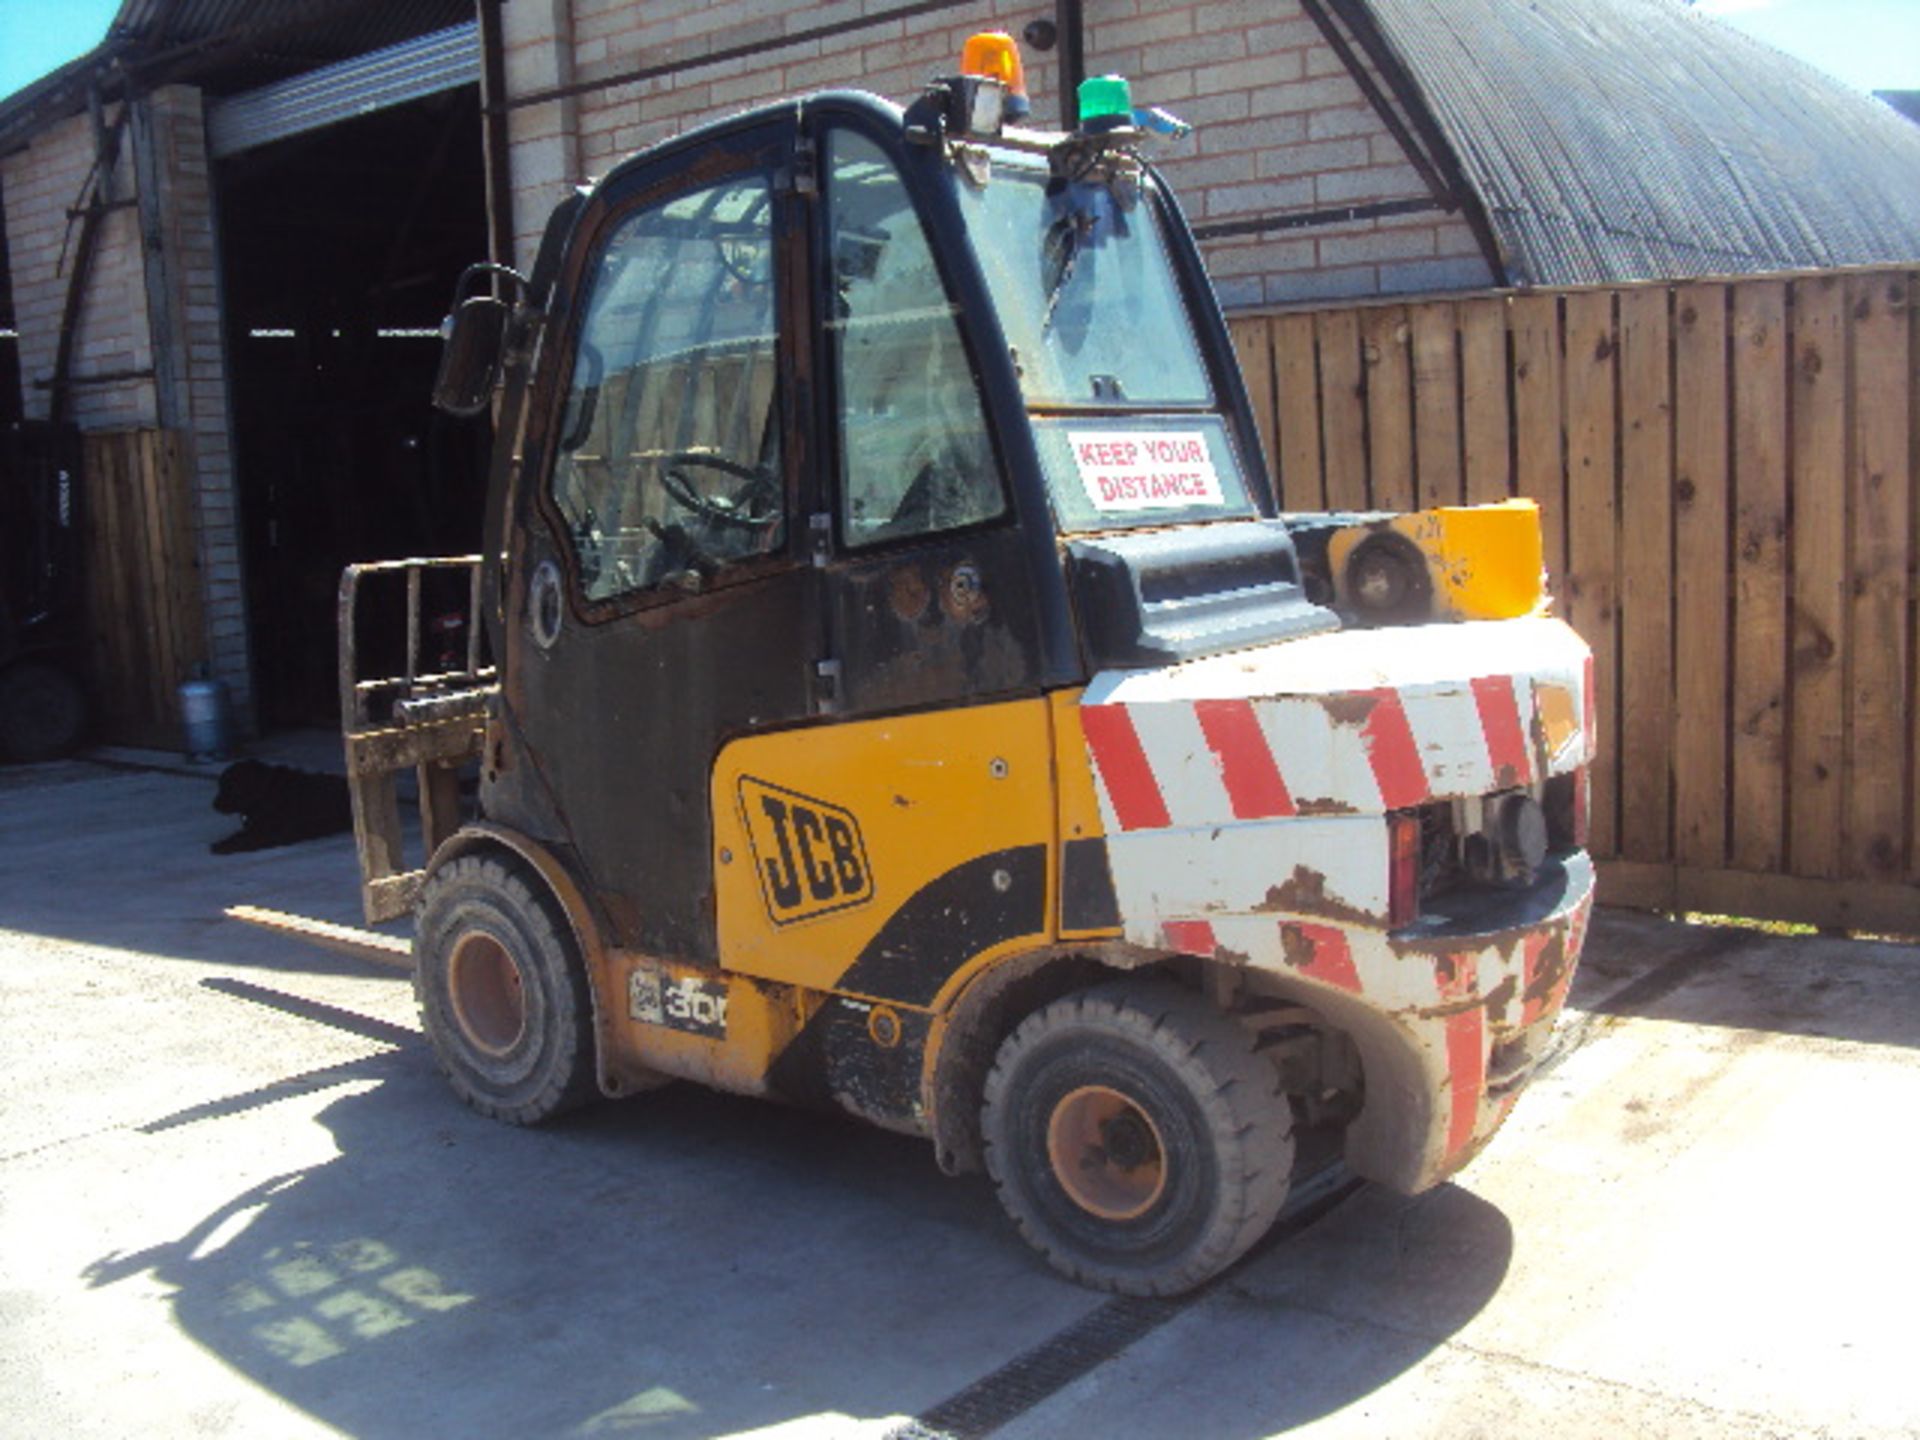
[(690, 1264)]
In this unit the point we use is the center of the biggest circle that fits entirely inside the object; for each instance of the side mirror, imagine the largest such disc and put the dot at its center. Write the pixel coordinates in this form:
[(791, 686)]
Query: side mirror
[(473, 344)]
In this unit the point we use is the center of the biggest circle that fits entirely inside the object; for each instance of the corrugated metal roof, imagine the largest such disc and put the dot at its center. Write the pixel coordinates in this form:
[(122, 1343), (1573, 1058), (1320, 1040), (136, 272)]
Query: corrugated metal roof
[(1636, 139), (226, 46), (390, 76), (292, 36)]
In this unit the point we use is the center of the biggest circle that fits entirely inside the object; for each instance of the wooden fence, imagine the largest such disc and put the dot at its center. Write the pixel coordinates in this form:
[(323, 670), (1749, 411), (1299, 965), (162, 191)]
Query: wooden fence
[(1729, 482), (144, 611)]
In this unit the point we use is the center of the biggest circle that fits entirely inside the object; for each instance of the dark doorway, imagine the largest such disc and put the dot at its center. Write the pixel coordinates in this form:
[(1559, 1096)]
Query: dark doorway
[(12, 404), (340, 250)]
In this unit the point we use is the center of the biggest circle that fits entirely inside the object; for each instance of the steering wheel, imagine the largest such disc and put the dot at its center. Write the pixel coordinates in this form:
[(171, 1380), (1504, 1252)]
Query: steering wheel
[(737, 257), (754, 508)]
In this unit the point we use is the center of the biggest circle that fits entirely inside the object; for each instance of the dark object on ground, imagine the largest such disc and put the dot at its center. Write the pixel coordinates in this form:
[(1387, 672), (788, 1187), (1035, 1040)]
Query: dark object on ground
[(43, 711), (43, 706), (279, 805)]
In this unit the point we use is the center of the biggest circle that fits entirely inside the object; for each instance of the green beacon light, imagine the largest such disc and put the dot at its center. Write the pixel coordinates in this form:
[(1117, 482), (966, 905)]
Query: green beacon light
[(1106, 102)]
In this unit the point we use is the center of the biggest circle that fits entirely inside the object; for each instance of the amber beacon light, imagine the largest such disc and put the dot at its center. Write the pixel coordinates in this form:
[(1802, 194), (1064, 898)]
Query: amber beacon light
[(993, 55)]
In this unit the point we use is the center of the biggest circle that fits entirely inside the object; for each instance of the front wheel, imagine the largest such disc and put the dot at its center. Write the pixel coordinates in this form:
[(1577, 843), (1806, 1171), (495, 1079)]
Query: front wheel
[(503, 996), (1136, 1138)]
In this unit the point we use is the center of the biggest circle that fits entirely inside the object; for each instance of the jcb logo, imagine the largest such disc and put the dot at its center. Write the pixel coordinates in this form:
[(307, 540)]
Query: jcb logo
[(809, 854)]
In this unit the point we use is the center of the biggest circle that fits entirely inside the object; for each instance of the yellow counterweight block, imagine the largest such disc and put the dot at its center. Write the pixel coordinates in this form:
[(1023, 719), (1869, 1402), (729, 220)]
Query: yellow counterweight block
[(878, 861), (1483, 562)]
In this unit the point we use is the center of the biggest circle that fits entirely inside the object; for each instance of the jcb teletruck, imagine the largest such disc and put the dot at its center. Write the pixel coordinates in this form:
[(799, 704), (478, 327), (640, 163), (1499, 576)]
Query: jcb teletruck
[(909, 699)]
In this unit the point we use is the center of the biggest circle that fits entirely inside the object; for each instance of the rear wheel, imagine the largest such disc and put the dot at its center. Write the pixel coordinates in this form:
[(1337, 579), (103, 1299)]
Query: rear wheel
[(1136, 1138), (43, 712), (503, 995)]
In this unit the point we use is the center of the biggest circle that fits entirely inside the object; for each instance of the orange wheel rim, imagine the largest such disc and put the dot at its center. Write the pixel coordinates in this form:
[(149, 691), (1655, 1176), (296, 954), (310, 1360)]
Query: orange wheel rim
[(488, 1000), (1106, 1153)]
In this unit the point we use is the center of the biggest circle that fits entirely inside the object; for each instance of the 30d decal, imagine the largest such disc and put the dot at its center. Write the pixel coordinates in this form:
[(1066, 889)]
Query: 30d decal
[(683, 1003), (809, 854)]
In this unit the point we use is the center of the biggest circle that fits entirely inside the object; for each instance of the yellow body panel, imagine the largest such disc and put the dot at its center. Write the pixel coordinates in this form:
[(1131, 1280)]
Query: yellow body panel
[(1485, 560), (740, 1024), (822, 835), (1079, 798), (1073, 770)]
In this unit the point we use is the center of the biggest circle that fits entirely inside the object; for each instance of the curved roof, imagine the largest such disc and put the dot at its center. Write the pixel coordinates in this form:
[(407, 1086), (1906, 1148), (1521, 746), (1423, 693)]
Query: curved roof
[(1629, 139)]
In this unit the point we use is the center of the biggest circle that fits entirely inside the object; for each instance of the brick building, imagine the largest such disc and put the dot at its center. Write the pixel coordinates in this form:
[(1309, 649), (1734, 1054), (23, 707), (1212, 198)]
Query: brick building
[(1304, 178), (279, 196)]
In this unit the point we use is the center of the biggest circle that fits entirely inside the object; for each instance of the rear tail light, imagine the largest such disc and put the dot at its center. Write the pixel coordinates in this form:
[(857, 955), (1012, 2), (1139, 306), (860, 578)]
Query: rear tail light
[(1403, 875)]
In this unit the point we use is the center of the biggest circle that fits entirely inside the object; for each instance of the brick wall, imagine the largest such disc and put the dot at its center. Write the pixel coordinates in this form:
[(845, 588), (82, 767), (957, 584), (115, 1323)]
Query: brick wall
[(1282, 129), (134, 292), (180, 213), (41, 183), (559, 144)]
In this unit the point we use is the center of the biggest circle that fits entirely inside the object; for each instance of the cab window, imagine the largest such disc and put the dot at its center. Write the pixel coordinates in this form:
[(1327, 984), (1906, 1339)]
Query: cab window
[(915, 457), (668, 469)]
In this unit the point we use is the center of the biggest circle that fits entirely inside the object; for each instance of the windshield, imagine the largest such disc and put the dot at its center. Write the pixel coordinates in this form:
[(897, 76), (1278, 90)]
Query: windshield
[(1123, 416), (1084, 290)]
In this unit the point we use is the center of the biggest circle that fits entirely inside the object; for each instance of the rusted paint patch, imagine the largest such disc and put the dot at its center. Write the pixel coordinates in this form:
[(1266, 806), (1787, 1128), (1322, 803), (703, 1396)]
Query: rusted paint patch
[(907, 593), (1499, 998), (1353, 708), (1550, 970), (1442, 947), (1320, 952), (1324, 806), (1305, 893)]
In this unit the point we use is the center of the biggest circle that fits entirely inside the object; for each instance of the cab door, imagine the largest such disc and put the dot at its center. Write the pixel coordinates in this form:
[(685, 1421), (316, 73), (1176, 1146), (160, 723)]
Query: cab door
[(660, 597), (881, 854)]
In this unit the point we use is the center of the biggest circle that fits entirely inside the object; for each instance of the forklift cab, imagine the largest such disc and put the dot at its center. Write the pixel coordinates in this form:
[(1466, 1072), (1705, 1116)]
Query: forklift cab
[(827, 395)]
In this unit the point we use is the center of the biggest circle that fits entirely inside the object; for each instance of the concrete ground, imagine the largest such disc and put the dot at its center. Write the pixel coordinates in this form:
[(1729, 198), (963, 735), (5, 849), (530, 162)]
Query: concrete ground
[(236, 1200)]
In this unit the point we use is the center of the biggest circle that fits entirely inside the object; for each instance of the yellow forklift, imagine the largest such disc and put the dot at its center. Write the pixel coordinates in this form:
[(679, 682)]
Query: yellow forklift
[(895, 689)]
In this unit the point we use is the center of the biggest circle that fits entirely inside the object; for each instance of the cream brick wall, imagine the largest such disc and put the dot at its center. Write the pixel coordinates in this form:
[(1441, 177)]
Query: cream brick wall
[(894, 58), (1280, 126), (41, 183), (196, 357)]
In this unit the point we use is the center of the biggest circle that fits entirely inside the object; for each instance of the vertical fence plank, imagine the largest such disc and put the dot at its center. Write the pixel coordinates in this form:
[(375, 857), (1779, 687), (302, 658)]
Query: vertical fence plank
[(1701, 582), (1253, 347), (1486, 428), (1436, 404), (117, 621), (1760, 575), (96, 517), (1817, 663), (1538, 447), (1879, 492), (1593, 520), (1384, 344), (1297, 384), (1343, 421), (1646, 576), (157, 559), (190, 640), (1913, 572)]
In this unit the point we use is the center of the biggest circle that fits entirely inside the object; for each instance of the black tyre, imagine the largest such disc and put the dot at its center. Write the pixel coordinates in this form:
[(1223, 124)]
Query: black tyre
[(503, 996), (1136, 1138), (43, 712)]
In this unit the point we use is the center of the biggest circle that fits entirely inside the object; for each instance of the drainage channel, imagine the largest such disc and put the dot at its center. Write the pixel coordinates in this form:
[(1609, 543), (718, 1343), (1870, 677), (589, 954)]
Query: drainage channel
[(1043, 1371)]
